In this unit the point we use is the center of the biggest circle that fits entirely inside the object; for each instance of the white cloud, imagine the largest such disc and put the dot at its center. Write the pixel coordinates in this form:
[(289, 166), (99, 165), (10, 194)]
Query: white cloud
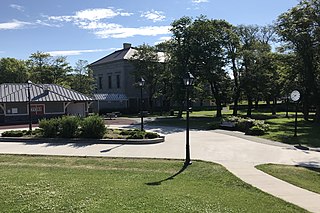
[(13, 25), (91, 15), (74, 52), (125, 32), (94, 20), (163, 39), (154, 15), (17, 7), (199, 1)]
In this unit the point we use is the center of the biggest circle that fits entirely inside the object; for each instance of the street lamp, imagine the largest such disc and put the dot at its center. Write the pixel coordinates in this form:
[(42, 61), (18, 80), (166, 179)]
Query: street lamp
[(141, 84), (29, 107), (188, 82)]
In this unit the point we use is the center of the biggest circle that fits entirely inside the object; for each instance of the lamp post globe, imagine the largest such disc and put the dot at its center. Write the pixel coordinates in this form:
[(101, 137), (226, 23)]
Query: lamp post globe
[(188, 82)]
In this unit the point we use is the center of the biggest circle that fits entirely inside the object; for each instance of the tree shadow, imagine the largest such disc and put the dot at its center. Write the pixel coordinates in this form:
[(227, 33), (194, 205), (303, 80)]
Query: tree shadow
[(312, 165), (108, 150), (157, 183)]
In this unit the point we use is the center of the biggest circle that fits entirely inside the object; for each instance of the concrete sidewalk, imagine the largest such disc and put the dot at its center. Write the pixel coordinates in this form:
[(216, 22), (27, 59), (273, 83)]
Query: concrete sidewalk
[(238, 155)]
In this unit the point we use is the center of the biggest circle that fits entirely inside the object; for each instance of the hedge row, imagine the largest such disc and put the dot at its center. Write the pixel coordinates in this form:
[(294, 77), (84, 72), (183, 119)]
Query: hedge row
[(73, 126), (248, 126)]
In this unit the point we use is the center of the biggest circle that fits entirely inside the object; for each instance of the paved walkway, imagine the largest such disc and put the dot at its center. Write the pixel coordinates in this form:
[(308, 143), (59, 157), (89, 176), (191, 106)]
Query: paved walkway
[(238, 155)]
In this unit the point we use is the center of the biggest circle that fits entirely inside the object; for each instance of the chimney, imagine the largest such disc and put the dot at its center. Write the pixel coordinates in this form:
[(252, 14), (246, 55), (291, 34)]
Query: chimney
[(126, 45)]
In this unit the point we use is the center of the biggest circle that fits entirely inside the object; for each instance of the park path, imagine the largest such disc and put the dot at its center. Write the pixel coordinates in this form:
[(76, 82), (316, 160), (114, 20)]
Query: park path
[(238, 155)]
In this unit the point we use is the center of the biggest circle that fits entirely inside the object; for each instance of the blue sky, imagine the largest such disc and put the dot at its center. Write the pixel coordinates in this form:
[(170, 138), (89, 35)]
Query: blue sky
[(91, 29)]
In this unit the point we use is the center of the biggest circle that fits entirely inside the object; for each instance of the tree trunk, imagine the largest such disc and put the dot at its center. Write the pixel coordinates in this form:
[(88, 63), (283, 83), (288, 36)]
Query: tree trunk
[(215, 92), (180, 109), (317, 117), (237, 88), (249, 110), (274, 105), (256, 106)]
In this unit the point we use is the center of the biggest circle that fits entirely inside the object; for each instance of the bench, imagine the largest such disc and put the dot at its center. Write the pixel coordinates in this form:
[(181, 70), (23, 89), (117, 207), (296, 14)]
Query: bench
[(111, 115)]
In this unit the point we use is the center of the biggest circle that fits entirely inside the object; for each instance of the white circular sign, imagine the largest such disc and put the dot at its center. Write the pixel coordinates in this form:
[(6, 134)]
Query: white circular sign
[(295, 95)]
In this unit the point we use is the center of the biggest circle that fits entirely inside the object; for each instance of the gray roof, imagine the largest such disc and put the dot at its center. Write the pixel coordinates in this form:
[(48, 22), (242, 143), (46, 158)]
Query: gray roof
[(115, 56), (110, 97), (123, 54), (10, 92)]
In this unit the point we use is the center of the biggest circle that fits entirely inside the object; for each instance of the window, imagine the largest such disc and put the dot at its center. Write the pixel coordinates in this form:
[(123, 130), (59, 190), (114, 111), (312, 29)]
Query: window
[(109, 82), (118, 81), (100, 82)]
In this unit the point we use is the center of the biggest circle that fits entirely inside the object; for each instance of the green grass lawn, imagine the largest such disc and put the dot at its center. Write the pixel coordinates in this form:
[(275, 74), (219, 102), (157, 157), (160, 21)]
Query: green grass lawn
[(281, 128), (307, 178), (73, 184)]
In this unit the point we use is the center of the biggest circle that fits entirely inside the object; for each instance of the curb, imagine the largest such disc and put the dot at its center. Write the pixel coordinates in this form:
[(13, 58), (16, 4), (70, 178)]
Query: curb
[(84, 141)]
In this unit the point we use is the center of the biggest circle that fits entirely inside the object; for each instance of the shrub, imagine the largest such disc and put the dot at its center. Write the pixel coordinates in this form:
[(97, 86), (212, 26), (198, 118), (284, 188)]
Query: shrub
[(69, 126), (151, 135), (248, 125), (137, 135), (93, 127), (50, 127), (255, 130), (13, 133)]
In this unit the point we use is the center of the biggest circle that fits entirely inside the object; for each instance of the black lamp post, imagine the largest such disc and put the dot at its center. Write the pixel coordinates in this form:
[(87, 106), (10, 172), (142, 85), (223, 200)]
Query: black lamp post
[(141, 84), (188, 82), (29, 107)]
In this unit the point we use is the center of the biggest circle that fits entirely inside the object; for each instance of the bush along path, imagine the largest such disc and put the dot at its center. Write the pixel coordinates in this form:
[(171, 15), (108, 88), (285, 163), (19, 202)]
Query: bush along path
[(92, 127)]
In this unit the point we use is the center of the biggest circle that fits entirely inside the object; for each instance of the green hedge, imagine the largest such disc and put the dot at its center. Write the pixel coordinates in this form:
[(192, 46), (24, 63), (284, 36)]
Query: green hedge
[(69, 126), (92, 127), (72, 126), (248, 126)]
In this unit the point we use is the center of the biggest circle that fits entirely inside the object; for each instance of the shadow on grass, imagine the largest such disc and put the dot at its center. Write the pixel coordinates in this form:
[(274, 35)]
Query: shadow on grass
[(198, 123), (157, 183), (311, 165)]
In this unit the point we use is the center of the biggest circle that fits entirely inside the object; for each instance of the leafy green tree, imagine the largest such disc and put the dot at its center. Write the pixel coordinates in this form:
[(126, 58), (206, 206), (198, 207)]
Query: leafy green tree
[(208, 45), (59, 70), (180, 58), (147, 64), (82, 78), (255, 62), (299, 27), (13, 71), (46, 69), (39, 67)]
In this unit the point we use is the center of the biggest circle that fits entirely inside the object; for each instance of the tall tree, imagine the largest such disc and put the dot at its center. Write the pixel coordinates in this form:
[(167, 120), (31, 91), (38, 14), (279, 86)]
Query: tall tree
[(255, 61), (147, 64), (45, 69), (39, 67), (13, 71), (180, 57), (82, 78), (208, 45), (300, 27)]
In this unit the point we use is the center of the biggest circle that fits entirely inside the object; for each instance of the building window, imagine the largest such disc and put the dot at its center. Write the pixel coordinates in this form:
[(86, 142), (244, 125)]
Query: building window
[(109, 82), (100, 82), (118, 81)]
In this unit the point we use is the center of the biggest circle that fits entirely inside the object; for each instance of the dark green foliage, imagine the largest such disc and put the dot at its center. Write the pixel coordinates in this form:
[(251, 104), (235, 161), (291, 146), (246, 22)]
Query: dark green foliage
[(255, 130), (50, 127), (137, 135), (93, 127), (151, 135), (13, 133), (248, 125), (69, 126)]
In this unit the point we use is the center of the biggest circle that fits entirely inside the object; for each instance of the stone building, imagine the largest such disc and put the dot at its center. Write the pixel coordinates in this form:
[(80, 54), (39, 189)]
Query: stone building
[(115, 83)]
